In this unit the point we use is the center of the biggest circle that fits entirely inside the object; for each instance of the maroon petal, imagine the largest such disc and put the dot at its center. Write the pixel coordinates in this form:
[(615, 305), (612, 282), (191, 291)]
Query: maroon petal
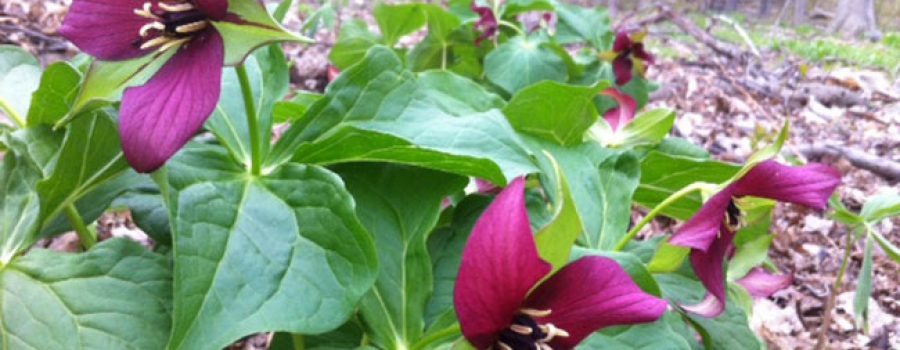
[(590, 294), (810, 185), (215, 9), (639, 52), (761, 284), (710, 269), (622, 43), (622, 67), (106, 29), (158, 118), (500, 264), (624, 113), (702, 229)]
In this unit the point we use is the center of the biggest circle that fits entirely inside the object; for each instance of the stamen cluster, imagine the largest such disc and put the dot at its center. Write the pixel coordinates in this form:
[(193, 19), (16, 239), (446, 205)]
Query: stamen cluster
[(527, 334), (174, 22)]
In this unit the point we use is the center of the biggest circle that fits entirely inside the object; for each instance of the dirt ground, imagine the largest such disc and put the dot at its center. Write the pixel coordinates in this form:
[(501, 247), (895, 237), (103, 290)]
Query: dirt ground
[(723, 103)]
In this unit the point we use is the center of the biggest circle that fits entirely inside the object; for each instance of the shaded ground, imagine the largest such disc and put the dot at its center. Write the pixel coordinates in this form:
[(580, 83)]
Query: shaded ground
[(724, 104)]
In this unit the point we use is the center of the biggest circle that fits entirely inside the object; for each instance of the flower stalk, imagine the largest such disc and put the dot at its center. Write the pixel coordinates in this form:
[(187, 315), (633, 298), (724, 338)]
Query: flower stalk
[(436, 337), (13, 115), (87, 239), (252, 120), (821, 341), (653, 213)]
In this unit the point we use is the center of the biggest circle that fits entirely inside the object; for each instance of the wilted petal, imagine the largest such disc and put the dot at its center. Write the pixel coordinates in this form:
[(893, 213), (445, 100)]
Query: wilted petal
[(761, 284), (709, 267), (215, 9), (500, 264), (106, 29), (702, 229), (622, 43), (810, 185), (589, 294), (158, 118), (622, 67), (623, 113)]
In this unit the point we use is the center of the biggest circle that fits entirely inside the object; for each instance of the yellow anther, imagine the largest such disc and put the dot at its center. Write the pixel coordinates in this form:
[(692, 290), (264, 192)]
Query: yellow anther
[(173, 43), (186, 6), (148, 27), (552, 332), (160, 40), (146, 11), (504, 346), (523, 330), (191, 27), (535, 312)]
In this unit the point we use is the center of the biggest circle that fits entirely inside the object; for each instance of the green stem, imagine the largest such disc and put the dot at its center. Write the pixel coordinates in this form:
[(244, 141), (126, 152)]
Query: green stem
[(299, 343), (436, 336), (653, 213), (835, 289), (511, 26), (252, 120), (87, 238), (16, 118)]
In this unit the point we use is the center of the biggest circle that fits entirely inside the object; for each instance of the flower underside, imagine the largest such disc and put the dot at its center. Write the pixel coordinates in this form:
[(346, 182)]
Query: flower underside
[(173, 23), (527, 334), (733, 217)]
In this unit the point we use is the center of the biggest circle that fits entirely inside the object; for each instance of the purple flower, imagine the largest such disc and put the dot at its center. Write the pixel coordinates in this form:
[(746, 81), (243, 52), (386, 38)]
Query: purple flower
[(629, 54), (758, 283), (158, 118), (502, 303), (487, 22), (711, 231), (623, 114)]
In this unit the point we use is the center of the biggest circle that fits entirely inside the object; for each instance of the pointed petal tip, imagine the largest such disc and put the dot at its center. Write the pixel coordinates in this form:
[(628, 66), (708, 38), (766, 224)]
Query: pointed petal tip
[(809, 185), (709, 307)]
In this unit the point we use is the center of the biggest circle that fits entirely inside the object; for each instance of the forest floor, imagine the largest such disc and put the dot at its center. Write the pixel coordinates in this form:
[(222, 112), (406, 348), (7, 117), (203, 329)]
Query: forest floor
[(844, 111)]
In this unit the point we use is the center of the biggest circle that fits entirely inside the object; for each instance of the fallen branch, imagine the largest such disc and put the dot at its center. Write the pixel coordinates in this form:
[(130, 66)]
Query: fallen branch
[(703, 37), (885, 168)]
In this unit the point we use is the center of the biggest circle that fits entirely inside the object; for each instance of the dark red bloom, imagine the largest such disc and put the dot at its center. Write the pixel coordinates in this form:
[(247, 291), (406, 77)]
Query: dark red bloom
[(627, 49), (501, 303), (158, 118), (711, 231), (487, 22), (622, 114)]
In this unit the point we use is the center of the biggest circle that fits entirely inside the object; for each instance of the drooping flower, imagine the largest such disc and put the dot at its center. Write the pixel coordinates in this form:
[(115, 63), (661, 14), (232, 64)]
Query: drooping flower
[(622, 114), (158, 118), (711, 231), (487, 22), (628, 56), (502, 303), (758, 283)]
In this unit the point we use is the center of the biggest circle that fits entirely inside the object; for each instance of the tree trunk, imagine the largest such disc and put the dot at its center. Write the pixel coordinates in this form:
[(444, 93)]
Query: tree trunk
[(855, 17), (764, 8), (799, 12)]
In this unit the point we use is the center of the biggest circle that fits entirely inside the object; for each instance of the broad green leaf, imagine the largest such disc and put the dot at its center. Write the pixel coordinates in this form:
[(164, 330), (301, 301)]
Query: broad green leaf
[(436, 50), (54, 97), (352, 44), (148, 211), (889, 248), (728, 331), (555, 240), (748, 256), (240, 39), (863, 290), (31, 150), (445, 246), (662, 175), (881, 206), (20, 75), (349, 336), (602, 185), (267, 72), (254, 254), (579, 24), (677, 146), (395, 21), (513, 7), (378, 111), (289, 111), (841, 214), (521, 62), (90, 156), (281, 10), (324, 17), (116, 296), (647, 128), (650, 336), (440, 22), (629, 262), (554, 111), (399, 206), (737, 294), (668, 258)]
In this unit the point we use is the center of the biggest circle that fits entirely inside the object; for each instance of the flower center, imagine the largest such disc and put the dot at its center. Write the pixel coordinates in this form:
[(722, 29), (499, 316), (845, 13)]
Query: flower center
[(733, 217), (527, 334), (174, 22)]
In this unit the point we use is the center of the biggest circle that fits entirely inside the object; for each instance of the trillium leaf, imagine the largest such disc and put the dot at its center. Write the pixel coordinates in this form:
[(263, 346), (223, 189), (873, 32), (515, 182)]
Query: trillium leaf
[(555, 240), (289, 111), (650, 127), (352, 44), (663, 174), (395, 21), (95, 300), (765, 153), (58, 88), (658, 335), (863, 293), (579, 24), (880, 207), (20, 75), (399, 206), (555, 111), (668, 258), (253, 254), (889, 248), (514, 7), (145, 203), (521, 62), (255, 28)]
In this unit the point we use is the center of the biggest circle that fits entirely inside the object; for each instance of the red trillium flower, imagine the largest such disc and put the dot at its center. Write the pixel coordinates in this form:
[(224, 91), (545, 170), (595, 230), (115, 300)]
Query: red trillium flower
[(628, 55), (502, 303), (487, 22), (623, 114), (158, 118), (711, 231)]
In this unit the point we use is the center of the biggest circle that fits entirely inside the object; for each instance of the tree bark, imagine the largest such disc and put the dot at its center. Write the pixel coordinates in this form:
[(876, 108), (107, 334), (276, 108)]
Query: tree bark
[(764, 8), (855, 17), (799, 12)]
